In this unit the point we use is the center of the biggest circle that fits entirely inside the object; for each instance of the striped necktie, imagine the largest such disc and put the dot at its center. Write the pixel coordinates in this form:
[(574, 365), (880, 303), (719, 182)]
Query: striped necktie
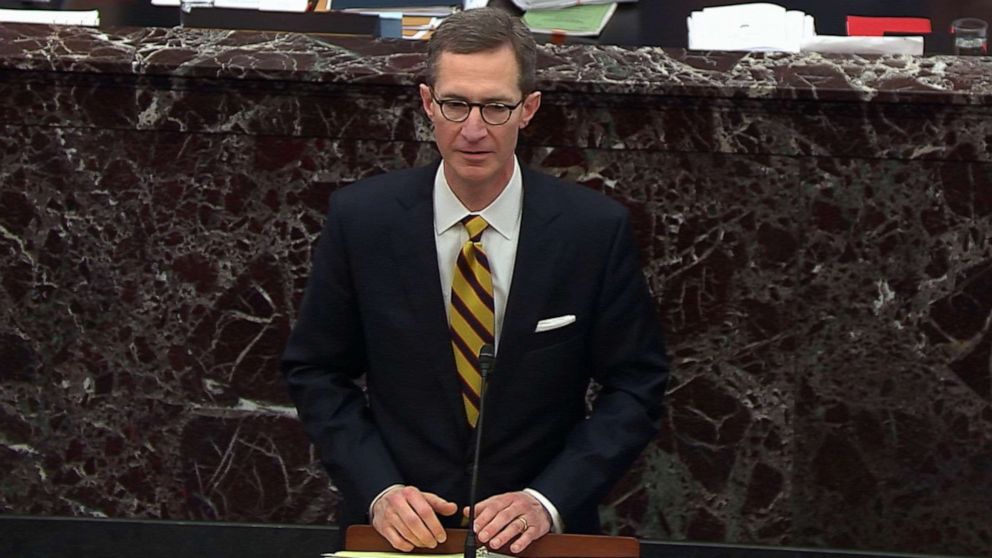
[(472, 317)]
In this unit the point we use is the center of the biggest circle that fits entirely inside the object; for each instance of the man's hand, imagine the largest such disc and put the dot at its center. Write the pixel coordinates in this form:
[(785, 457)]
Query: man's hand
[(407, 518), (500, 518)]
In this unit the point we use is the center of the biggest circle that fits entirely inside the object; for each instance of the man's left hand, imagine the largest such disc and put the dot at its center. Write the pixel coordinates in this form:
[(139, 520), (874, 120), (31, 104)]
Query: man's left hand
[(500, 518)]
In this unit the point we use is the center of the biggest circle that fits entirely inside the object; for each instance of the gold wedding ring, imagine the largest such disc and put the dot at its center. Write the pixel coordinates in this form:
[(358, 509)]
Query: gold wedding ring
[(524, 521)]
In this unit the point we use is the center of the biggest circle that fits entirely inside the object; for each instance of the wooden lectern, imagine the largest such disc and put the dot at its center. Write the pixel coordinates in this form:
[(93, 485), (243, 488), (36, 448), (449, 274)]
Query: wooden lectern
[(365, 538)]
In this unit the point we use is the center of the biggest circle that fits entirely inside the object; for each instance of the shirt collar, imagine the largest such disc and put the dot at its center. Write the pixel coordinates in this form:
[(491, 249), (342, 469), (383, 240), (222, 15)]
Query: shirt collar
[(503, 214)]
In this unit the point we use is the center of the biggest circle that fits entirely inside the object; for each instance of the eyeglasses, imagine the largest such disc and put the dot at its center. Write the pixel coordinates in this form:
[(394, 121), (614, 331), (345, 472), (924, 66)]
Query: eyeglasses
[(494, 114)]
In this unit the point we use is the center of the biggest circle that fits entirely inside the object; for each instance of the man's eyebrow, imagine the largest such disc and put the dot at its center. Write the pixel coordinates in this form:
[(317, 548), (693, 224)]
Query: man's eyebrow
[(497, 99)]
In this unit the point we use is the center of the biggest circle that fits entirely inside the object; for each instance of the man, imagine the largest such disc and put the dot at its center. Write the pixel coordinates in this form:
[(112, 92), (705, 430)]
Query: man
[(405, 289)]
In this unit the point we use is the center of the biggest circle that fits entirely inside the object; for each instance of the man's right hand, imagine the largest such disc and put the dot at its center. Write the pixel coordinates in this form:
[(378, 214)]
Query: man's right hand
[(407, 518)]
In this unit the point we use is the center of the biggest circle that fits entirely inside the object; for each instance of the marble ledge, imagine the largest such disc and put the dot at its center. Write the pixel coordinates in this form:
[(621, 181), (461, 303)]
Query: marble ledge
[(648, 71)]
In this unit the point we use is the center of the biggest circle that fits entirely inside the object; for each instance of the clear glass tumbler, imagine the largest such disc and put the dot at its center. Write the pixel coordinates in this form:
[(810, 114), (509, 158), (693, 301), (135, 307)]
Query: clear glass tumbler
[(970, 36)]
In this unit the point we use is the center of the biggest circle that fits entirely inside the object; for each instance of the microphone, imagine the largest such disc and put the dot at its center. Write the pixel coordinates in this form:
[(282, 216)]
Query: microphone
[(487, 356)]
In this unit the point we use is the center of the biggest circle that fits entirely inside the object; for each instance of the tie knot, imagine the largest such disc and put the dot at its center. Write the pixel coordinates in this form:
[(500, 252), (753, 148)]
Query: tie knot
[(474, 224)]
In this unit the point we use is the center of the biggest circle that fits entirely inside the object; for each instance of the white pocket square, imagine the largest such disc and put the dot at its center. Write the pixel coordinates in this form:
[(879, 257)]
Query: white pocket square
[(554, 323)]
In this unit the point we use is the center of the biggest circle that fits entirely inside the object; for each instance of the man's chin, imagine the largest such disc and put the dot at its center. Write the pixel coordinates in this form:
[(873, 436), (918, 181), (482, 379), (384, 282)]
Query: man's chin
[(472, 170)]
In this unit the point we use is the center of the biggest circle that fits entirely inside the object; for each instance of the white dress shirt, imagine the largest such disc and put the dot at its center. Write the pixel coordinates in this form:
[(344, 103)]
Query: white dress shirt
[(499, 240)]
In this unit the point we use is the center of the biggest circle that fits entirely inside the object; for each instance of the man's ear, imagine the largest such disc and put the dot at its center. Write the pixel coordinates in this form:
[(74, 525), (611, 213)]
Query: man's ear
[(531, 104), (426, 101)]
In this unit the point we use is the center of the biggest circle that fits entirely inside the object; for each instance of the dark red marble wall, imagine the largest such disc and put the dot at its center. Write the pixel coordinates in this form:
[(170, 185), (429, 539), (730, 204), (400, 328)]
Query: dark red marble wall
[(817, 232)]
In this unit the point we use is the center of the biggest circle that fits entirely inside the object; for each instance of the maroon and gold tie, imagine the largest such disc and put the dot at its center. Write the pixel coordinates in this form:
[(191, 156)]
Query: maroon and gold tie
[(472, 316)]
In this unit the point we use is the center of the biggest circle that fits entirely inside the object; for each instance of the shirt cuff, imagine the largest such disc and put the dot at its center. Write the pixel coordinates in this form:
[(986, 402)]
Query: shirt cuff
[(380, 495), (556, 523)]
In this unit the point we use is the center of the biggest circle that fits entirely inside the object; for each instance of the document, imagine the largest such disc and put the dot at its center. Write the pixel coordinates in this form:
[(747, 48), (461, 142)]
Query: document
[(865, 45), (539, 4), (298, 6), (401, 5), (237, 4), (264, 5), (586, 20), (90, 18)]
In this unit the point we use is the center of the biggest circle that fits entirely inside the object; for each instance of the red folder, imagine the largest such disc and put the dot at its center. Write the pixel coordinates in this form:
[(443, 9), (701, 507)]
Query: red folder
[(878, 26)]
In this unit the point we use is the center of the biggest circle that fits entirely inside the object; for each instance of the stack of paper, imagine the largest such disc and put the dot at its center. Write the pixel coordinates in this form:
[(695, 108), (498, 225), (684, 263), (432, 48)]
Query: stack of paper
[(406, 7), (770, 27), (264, 5), (416, 19), (298, 6), (762, 27), (423, 11), (419, 28), (89, 18), (865, 45)]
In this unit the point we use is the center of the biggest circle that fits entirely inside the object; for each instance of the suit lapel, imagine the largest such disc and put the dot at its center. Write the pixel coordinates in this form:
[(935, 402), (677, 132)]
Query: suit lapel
[(415, 252), (533, 272)]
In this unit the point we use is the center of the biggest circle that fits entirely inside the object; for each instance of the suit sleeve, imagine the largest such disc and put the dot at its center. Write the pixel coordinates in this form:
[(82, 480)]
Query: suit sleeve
[(630, 363), (324, 357)]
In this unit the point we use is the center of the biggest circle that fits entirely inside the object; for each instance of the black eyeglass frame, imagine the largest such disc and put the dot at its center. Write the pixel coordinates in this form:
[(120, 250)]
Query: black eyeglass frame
[(481, 107)]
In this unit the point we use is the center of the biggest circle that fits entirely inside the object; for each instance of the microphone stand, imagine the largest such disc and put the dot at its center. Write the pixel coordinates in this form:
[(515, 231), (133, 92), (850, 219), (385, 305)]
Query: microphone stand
[(486, 358)]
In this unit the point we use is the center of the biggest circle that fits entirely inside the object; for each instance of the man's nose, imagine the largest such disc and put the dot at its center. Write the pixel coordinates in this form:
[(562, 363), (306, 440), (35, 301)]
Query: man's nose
[(474, 128)]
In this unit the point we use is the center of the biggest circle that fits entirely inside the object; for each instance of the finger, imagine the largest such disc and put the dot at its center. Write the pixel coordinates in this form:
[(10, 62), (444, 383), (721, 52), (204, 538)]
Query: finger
[(494, 518), (385, 520), (527, 537), (396, 523), (395, 539), (441, 505), (401, 514), (507, 523), (420, 519), (425, 506), (483, 515), (485, 511), (538, 524)]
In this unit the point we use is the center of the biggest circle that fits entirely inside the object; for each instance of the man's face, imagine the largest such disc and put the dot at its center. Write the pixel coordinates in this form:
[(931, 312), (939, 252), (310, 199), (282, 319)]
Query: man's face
[(478, 155)]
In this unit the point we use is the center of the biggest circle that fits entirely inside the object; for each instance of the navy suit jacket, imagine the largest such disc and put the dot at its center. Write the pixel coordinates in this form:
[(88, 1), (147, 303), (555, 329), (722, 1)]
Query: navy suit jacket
[(374, 309)]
